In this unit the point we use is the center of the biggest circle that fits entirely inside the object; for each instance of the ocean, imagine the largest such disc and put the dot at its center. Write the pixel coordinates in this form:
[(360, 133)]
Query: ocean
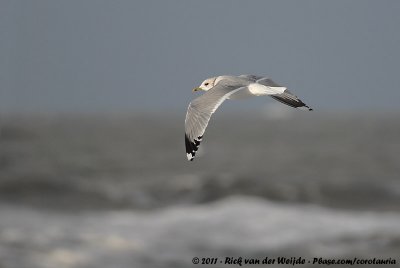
[(117, 190)]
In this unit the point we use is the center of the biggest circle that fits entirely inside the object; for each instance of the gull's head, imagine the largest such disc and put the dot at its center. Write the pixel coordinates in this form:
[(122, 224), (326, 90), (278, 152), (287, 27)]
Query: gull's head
[(206, 85)]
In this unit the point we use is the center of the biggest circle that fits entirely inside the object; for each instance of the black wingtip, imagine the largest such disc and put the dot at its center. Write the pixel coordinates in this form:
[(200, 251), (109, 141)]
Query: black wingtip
[(192, 147)]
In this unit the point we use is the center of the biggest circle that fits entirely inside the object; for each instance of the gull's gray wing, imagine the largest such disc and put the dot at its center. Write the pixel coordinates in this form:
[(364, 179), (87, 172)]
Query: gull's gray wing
[(199, 113), (286, 97), (251, 77)]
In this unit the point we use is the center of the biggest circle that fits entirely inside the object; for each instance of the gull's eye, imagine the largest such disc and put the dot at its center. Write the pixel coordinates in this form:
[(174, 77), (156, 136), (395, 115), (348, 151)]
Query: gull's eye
[(206, 84)]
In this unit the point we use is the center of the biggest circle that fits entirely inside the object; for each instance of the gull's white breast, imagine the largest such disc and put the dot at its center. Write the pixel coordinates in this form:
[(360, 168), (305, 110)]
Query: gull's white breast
[(256, 89), (260, 90), (241, 94)]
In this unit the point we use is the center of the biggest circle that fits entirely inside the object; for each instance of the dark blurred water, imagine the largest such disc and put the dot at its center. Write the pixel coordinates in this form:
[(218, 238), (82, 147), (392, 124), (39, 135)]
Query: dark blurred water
[(117, 191)]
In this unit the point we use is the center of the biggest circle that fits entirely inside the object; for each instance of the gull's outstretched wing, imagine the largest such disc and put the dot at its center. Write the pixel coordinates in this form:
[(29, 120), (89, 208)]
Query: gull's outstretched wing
[(199, 113), (286, 97)]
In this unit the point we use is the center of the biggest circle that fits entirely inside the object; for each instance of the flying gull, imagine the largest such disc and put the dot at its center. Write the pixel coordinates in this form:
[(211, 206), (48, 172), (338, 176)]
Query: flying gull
[(225, 87)]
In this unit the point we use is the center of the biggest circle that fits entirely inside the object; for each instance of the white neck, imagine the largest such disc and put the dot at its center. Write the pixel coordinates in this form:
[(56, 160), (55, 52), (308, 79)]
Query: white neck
[(219, 78)]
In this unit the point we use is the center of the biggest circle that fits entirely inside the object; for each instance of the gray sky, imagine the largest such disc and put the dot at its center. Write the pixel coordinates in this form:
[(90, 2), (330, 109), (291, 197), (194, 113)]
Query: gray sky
[(121, 56)]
